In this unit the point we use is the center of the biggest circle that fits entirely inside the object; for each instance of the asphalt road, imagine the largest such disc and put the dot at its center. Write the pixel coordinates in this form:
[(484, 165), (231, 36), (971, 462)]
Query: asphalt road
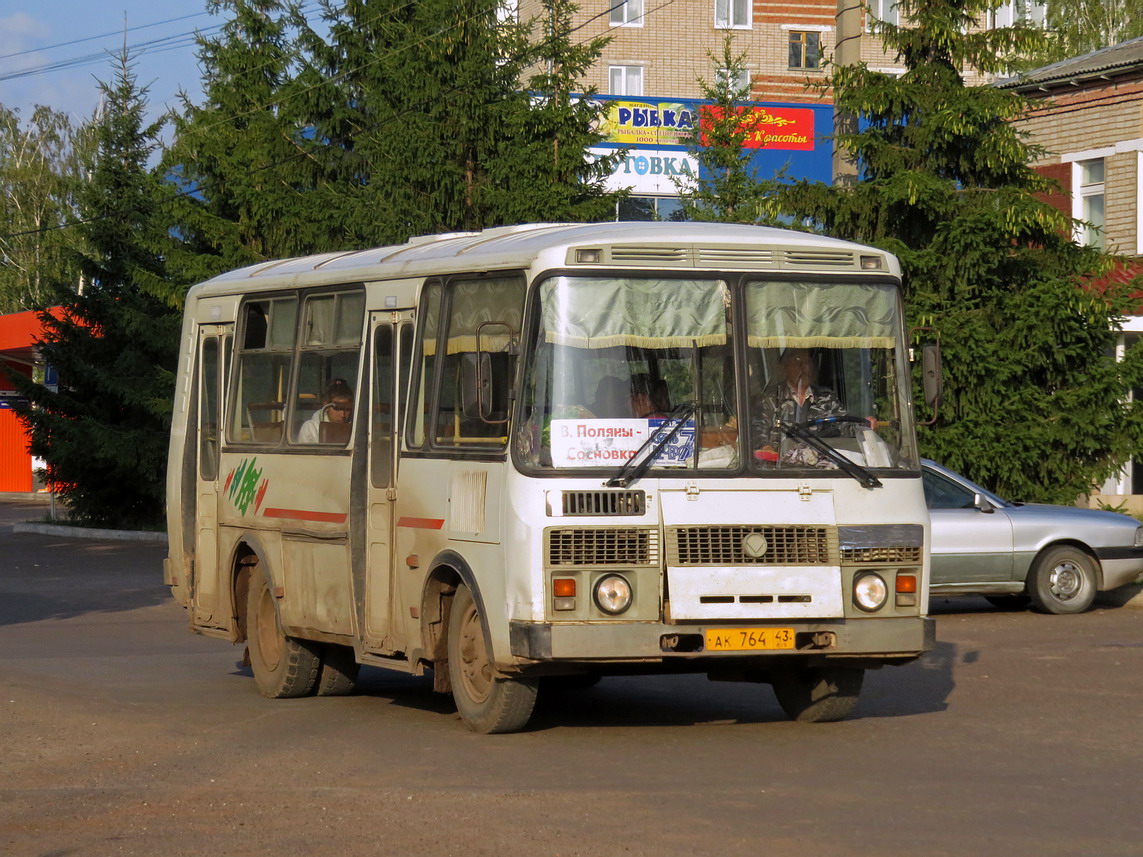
[(123, 733)]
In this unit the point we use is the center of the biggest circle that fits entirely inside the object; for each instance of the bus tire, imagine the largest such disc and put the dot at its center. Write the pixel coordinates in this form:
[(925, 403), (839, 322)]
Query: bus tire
[(487, 703), (338, 676), (284, 667), (1062, 580), (818, 694)]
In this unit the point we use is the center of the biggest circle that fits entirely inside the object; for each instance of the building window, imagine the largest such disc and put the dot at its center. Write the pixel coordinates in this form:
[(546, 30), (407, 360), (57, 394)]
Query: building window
[(625, 79), (627, 13), (650, 208), (1019, 12), (805, 50), (736, 81), (1088, 201), (508, 11), (883, 11), (732, 14)]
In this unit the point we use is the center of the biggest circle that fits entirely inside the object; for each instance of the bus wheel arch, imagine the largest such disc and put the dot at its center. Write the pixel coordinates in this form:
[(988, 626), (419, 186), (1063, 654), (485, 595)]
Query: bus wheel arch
[(283, 666)]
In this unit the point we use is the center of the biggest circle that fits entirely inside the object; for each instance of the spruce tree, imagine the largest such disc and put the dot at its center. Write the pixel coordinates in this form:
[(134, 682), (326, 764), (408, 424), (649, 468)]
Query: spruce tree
[(1034, 405), (728, 188), (424, 122), (237, 155), (104, 432)]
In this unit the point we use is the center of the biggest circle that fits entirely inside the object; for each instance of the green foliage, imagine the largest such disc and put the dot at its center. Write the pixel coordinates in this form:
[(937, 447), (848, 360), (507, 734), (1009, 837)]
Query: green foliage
[(237, 155), (727, 189), (40, 170), (1034, 404), (1077, 27), (423, 123), (104, 432)]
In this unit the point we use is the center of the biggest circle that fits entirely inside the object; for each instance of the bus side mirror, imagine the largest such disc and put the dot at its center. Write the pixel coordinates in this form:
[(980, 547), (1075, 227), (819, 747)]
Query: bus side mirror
[(932, 380), (931, 377)]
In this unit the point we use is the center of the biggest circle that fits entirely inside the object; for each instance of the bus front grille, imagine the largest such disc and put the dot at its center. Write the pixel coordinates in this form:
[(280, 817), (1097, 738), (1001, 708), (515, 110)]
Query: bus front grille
[(909, 555), (752, 545), (574, 547), (600, 503)]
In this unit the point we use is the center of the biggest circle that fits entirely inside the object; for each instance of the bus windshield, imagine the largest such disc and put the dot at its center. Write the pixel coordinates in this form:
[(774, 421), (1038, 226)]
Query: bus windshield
[(610, 360)]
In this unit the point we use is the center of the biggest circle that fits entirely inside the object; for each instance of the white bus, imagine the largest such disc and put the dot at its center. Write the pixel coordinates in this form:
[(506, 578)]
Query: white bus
[(547, 453)]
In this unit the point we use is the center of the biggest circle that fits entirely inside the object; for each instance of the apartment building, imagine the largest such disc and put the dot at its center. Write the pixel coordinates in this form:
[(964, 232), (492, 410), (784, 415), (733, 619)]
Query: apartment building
[(648, 78)]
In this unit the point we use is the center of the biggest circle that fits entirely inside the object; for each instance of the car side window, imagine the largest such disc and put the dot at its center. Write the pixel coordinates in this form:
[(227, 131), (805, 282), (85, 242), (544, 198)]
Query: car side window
[(942, 493)]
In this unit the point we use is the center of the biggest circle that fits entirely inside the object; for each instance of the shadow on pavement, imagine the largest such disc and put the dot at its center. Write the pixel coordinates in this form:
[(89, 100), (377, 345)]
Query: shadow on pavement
[(44, 577)]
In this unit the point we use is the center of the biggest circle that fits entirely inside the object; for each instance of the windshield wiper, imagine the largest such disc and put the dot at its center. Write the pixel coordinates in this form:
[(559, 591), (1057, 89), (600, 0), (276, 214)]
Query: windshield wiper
[(631, 472), (867, 479)]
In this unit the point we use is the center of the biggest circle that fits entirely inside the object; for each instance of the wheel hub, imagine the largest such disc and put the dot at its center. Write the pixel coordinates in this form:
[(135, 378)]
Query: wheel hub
[(1066, 581)]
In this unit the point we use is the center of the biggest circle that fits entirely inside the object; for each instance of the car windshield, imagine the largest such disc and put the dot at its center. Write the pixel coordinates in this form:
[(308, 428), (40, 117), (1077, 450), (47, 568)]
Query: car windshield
[(609, 359)]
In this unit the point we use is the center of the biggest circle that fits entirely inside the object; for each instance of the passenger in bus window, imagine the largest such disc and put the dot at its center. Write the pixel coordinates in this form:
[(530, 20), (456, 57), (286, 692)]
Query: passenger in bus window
[(649, 397), (337, 407)]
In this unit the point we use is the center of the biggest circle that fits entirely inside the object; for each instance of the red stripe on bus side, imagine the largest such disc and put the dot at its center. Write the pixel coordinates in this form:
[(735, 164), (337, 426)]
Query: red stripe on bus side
[(421, 523), (306, 515)]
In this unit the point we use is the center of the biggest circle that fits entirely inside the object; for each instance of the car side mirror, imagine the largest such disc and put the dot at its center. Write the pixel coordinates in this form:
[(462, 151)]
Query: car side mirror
[(982, 503)]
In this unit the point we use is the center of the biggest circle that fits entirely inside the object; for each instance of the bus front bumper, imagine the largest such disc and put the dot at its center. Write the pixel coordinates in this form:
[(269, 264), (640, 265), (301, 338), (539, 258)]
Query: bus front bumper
[(889, 640)]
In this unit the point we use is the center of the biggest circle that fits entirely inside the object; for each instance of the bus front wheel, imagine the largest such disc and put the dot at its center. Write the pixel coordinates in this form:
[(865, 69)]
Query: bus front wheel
[(486, 703), (819, 694), (283, 666)]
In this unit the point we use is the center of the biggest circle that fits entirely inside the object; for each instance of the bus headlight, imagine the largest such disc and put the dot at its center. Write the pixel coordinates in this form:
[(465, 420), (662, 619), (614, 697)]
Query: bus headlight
[(870, 592), (612, 594)]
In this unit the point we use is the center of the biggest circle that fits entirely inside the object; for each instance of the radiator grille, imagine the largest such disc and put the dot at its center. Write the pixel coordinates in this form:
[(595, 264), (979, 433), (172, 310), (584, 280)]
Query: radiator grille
[(723, 545), (911, 555), (572, 547), (599, 503)]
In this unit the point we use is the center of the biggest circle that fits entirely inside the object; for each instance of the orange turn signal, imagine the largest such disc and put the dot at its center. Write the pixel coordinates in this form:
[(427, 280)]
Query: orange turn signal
[(563, 587), (906, 583)]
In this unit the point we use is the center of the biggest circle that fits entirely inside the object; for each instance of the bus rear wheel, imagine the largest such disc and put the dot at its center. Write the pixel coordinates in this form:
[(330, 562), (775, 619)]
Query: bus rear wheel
[(283, 666), (339, 668), (818, 694), (486, 702)]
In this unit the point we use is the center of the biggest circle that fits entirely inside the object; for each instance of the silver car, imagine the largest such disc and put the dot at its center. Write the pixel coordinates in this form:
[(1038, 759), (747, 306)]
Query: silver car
[(1057, 557)]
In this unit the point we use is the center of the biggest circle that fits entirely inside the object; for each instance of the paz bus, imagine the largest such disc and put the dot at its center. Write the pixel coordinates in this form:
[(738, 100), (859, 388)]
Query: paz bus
[(538, 454)]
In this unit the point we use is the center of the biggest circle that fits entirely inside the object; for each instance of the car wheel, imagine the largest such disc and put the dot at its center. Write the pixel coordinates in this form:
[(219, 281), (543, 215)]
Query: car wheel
[(818, 695), (1008, 602), (1062, 580), (487, 703), (283, 666)]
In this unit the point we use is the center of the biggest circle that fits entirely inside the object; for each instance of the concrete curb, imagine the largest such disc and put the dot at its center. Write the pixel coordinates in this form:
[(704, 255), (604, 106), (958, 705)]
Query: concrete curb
[(90, 533)]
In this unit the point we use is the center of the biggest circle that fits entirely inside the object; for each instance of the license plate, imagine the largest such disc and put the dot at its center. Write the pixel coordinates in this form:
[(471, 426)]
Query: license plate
[(748, 639)]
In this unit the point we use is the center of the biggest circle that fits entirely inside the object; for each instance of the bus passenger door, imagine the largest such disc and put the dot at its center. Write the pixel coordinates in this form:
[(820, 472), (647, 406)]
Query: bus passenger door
[(392, 345), (213, 345)]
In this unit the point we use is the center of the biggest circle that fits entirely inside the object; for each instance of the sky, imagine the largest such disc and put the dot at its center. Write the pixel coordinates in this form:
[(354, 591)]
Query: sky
[(52, 51)]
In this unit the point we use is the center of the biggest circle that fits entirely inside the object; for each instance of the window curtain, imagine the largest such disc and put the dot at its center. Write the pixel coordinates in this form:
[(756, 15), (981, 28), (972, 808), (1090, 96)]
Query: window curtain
[(821, 315), (602, 313)]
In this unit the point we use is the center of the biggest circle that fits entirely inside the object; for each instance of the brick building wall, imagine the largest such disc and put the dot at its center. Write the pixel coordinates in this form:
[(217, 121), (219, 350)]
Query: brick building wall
[(672, 43), (1100, 119)]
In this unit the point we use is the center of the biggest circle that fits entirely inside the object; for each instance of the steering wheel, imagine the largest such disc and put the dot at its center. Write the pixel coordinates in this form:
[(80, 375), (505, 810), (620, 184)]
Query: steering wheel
[(817, 424)]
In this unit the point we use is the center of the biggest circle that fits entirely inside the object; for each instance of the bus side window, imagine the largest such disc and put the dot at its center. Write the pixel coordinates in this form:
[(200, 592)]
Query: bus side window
[(482, 322), (264, 358), (208, 412), (328, 356)]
